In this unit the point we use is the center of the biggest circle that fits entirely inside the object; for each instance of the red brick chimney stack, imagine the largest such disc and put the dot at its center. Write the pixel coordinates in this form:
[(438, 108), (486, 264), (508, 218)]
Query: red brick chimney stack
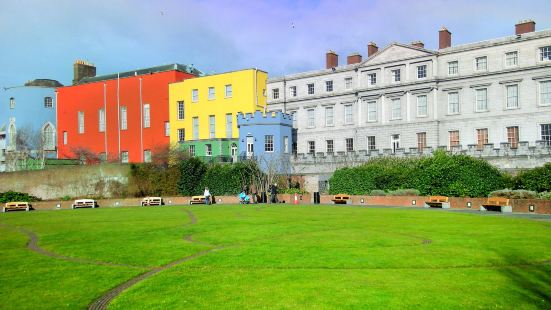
[(525, 26), (354, 58), (331, 60), (371, 49), (444, 38), (418, 44)]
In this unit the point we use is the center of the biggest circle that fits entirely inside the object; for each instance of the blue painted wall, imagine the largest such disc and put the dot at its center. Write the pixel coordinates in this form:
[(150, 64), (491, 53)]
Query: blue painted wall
[(258, 125)]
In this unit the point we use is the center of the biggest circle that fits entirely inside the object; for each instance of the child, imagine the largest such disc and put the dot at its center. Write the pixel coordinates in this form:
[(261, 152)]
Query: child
[(207, 196)]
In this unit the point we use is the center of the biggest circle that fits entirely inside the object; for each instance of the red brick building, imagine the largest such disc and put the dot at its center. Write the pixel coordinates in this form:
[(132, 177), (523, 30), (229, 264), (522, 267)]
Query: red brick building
[(117, 117)]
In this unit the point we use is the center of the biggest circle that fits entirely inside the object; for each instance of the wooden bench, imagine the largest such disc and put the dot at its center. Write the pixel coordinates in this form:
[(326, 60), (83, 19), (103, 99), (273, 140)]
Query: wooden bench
[(16, 205), (84, 203), (499, 204), (341, 199), (438, 202), (152, 201), (197, 200)]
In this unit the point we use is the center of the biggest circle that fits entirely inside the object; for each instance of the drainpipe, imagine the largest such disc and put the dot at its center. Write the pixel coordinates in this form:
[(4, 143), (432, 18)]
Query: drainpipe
[(118, 116), (284, 95), (105, 119), (141, 121)]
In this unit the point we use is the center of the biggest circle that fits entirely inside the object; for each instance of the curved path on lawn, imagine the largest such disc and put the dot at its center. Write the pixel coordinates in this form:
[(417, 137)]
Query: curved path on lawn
[(102, 302)]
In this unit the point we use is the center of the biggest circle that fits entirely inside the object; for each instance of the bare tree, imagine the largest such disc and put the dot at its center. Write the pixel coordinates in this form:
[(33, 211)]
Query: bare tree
[(28, 151)]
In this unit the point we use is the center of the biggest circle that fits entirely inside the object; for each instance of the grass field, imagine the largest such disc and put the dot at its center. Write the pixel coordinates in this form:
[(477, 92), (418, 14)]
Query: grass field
[(282, 257)]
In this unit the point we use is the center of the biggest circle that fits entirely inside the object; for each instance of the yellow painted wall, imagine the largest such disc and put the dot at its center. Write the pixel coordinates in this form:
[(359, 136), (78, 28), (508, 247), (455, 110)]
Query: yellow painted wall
[(245, 98)]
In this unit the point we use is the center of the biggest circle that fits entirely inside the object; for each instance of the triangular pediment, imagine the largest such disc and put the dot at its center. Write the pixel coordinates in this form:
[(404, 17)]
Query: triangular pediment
[(397, 52)]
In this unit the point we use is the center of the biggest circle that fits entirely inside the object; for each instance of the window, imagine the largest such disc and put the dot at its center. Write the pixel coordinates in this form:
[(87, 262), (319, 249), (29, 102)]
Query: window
[(294, 117), (348, 83), (181, 114), (512, 136), (348, 117), (349, 144), (146, 116), (422, 106), (482, 100), (421, 141), (372, 111), (124, 157), (65, 138), (293, 91), (329, 116), (396, 109), (453, 103), (212, 125), (545, 53), (208, 149), (422, 72), (212, 94), (453, 68), (181, 134), (311, 118), (48, 137), (229, 91), (195, 124), (329, 145), (80, 122), (454, 137), (371, 143), (512, 96), (48, 102), (12, 103), (396, 75), (167, 129), (286, 144), (545, 93), (229, 125), (511, 59), (372, 78), (12, 135), (481, 137), (329, 86), (124, 124), (275, 93), (194, 95), (481, 63), (546, 134), (147, 156), (101, 118), (311, 147), (192, 150), (268, 143), (311, 89)]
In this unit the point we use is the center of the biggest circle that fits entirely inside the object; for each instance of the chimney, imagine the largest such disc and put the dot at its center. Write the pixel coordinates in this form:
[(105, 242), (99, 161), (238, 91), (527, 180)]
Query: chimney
[(445, 38), (418, 44), (331, 60), (371, 49), (353, 59), (82, 69), (525, 26)]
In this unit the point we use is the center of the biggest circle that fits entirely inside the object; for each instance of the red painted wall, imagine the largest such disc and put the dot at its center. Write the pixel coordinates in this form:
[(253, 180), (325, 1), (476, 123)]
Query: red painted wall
[(89, 98)]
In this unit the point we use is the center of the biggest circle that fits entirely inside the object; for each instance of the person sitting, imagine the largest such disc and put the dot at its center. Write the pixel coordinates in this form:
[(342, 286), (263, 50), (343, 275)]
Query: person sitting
[(244, 198)]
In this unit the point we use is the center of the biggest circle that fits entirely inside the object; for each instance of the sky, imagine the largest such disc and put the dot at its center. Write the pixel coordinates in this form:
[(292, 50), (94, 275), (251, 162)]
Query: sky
[(42, 39)]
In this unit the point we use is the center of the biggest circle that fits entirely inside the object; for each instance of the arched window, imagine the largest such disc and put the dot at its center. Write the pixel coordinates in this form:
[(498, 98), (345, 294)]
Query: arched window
[(48, 137), (12, 135)]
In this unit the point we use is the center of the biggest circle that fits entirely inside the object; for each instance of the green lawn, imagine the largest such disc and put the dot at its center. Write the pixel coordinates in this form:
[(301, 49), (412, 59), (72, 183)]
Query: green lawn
[(282, 257)]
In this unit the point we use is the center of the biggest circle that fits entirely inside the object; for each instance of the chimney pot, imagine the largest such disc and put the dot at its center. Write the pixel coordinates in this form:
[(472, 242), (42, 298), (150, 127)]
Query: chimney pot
[(444, 38), (372, 49), (418, 44), (525, 26), (354, 58), (331, 60), (82, 69)]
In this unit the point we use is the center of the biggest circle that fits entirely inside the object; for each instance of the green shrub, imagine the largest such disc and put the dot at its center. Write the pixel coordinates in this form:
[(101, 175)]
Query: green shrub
[(292, 191), (404, 192), (11, 196), (65, 198), (537, 179), (544, 195), (223, 179), (192, 171), (514, 194), (377, 192)]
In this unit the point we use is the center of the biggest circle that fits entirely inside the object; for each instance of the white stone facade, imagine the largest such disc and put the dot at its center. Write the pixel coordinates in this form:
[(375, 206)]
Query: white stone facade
[(496, 90)]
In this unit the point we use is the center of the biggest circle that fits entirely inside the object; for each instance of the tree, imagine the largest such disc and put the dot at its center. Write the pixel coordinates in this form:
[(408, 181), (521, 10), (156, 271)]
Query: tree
[(192, 171)]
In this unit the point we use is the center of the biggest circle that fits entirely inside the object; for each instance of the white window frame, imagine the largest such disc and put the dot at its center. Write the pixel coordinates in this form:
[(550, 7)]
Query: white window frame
[(507, 58), (191, 150), (396, 105), (329, 86), (330, 146), (147, 156), (286, 144), (81, 122), (181, 134), (348, 83), (48, 137), (311, 89), (421, 72), (311, 118), (194, 95), (12, 103), (212, 126), (545, 53), (513, 140), (329, 116), (478, 64), (229, 125), (124, 118), (348, 114), (371, 146), (101, 120), (124, 157), (396, 75), (452, 104), (146, 115), (372, 111), (426, 106), (181, 110), (477, 133), (453, 68), (275, 93), (212, 93), (195, 127), (269, 143), (545, 138), (421, 140), (311, 147), (228, 91), (292, 91), (455, 143), (208, 149), (372, 79), (167, 129), (540, 93), (507, 97), (349, 144), (484, 99), (65, 138)]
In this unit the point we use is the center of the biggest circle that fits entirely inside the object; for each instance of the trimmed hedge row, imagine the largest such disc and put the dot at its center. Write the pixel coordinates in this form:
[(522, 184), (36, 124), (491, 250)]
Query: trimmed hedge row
[(10, 196)]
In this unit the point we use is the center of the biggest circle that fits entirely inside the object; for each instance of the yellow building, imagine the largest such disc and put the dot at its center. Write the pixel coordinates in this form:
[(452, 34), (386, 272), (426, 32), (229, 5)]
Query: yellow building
[(203, 110)]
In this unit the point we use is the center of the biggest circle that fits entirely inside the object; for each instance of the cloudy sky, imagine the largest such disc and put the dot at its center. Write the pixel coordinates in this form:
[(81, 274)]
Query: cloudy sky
[(41, 39)]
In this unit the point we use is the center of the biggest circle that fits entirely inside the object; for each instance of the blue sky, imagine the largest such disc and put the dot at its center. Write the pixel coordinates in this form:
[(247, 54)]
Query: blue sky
[(41, 39)]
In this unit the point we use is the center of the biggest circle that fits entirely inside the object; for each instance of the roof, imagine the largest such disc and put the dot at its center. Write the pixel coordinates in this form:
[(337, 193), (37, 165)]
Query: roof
[(157, 69), (44, 83)]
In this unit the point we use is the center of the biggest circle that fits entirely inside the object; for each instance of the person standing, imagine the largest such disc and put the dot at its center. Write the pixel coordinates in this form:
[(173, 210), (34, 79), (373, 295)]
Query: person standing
[(207, 196), (273, 193)]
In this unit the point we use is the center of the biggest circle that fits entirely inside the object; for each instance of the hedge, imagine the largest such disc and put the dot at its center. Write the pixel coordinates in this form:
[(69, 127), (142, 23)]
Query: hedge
[(537, 179), (11, 196)]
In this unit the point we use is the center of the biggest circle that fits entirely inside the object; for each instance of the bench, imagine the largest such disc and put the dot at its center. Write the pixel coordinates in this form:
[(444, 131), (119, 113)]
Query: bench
[(152, 201), (438, 202), (197, 200), (499, 204), (84, 203), (342, 199), (17, 205)]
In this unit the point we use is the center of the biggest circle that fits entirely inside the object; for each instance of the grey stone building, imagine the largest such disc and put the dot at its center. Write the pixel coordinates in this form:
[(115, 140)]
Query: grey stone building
[(406, 99)]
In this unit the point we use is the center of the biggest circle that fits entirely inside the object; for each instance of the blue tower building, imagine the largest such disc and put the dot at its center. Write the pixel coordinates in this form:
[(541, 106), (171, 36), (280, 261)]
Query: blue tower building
[(27, 123), (266, 138)]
